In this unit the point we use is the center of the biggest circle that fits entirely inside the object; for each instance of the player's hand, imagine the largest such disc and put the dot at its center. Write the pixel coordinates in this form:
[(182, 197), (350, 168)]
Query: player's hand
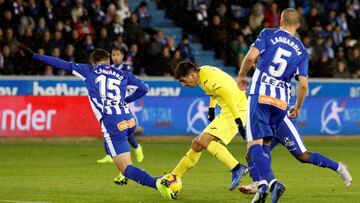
[(294, 112), (241, 82), (26, 52), (240, 128), (211, 114)]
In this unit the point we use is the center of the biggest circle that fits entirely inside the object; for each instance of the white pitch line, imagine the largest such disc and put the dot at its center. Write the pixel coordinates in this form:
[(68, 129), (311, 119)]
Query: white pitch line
[(19, 201)]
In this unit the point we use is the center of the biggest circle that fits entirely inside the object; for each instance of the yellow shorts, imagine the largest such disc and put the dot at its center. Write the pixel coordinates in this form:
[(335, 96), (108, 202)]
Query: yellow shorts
[(224, 126)]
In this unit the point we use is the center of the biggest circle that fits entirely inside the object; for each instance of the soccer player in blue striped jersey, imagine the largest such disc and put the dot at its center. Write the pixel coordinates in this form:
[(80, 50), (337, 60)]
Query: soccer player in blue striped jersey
[(117, 56), (280, 56), (106, 87)]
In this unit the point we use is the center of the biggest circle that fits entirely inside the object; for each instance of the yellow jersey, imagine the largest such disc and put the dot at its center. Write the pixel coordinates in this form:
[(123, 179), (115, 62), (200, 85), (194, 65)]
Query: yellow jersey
[(223, 90)]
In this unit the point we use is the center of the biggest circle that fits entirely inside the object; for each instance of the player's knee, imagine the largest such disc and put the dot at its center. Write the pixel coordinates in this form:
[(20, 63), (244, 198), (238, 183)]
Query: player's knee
[(304, 157), (204, 140), (196, 146)]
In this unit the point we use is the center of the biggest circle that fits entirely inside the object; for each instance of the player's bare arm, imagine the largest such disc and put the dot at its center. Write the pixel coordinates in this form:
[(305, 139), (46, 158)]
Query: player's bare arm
[(246, 65), (301, 94)]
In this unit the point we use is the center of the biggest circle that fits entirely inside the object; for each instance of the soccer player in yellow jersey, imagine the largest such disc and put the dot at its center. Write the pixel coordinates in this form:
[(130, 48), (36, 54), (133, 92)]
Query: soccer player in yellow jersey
[(223, 91)]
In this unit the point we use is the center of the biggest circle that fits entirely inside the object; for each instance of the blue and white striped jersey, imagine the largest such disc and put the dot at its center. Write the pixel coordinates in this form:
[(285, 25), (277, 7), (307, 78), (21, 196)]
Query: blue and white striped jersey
[(106, 85), (282, 56)]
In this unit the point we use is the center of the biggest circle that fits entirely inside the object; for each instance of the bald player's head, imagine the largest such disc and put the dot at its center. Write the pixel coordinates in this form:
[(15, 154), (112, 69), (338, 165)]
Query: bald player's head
[(290, 17)]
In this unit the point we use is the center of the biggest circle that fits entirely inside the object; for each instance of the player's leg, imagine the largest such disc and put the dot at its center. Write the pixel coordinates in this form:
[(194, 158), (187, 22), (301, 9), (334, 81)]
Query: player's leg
[(290, 138), (115, 135), (107, 158), (260, 126), (224, 129), (189, 160), (252, 187), (214, 147), (137, 147)]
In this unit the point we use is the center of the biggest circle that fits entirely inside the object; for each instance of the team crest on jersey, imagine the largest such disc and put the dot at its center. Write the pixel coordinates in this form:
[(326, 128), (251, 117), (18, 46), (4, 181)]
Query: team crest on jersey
[(197, 116), (288, 142)]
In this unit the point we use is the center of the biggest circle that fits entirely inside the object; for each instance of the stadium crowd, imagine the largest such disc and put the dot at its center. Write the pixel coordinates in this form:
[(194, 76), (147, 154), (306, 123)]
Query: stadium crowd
[(71, 29)]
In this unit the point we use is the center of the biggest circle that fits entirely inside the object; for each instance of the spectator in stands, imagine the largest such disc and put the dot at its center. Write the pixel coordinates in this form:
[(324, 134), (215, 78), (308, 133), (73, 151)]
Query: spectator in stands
[(133, 30), (48, 13), (116, 27), (170, 43), (338, 35), (97, 14), (84, 27), (78, 10), (46, 42), (354, 63), (272, 15), (238, 48), (62, 10), (28, 38), (41, 26), (256, 17), (218, 36), (33, 10), (328, 45), (103, 40), (185, 49), (8, 67), (49, 71), (176, 59), (144, 15), (58, 40), (25, 21), (135, 59), (341, 70), (11, 40), (89, 44), (313, 18), (110, 13), (123, 9), (119, 43), (7, 20), (323, 67)]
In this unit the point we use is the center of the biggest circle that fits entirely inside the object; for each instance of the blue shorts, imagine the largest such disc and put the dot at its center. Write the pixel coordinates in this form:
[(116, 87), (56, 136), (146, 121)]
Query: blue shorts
[(116, 129), (262, 119), (289, 137)]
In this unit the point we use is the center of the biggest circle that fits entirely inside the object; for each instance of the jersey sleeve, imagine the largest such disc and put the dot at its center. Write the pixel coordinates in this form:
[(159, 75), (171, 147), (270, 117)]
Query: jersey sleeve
[(302, 68), (224, 90), (79, 70), (260, 41), (140, 91), (212, 103)]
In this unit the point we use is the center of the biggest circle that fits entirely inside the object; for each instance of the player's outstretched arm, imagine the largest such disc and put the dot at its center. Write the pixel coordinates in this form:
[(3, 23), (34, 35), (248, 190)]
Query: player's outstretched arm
[(52, 61)]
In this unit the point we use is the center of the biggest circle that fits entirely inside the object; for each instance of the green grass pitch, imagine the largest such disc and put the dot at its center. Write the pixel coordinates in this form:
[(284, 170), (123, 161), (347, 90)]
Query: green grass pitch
[(65, 170)]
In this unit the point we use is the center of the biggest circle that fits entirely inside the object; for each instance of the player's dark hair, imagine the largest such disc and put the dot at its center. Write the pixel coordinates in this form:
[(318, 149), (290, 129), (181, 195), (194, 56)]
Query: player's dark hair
[(99, 55), (116, 48), (183, 68)]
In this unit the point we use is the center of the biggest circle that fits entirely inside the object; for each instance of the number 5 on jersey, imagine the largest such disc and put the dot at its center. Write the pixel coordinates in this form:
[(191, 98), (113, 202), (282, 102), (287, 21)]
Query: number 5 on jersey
[(278, 59)]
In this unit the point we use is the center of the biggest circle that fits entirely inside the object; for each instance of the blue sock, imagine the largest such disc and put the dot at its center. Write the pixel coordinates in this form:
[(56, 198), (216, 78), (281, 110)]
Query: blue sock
[(140, 176), (253, 172), (262, 162), (267, 150), (133, 142), (322, 161)]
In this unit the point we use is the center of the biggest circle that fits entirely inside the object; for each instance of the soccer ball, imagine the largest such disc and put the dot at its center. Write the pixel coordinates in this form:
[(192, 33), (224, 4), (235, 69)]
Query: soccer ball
[(174, 181)]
